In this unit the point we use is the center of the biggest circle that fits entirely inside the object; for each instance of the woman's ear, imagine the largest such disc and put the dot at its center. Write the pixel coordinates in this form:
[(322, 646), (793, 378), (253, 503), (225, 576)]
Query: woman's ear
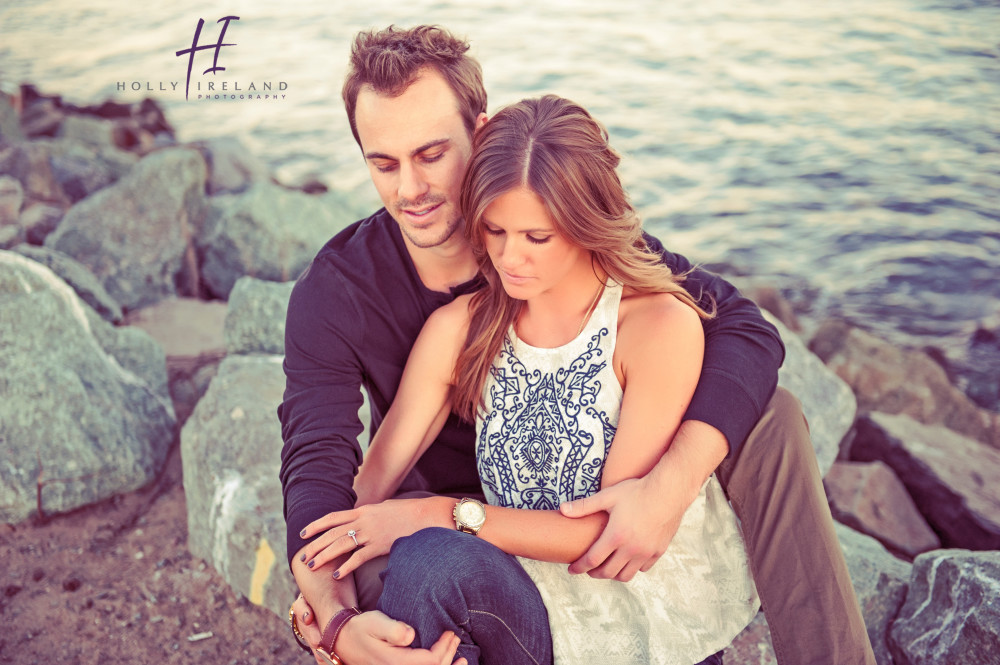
[(480, 121)]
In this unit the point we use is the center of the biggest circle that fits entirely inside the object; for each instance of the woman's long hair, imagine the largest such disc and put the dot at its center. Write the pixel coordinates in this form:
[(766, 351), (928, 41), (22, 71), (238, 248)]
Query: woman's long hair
[(559, 151)]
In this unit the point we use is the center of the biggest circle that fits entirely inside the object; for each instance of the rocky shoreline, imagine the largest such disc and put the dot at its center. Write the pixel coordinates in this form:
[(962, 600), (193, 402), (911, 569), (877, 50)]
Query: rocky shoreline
[(143, 285)]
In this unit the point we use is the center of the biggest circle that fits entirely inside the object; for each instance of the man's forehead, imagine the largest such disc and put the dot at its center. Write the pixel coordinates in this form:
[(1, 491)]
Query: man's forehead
[(403, 124)]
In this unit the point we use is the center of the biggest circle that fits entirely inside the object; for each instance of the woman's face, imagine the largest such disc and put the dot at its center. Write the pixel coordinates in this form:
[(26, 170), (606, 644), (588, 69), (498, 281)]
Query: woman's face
[(530, 255)]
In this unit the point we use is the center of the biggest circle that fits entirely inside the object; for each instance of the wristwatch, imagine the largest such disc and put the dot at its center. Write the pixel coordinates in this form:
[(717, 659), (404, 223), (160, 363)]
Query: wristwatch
[(470, 515)]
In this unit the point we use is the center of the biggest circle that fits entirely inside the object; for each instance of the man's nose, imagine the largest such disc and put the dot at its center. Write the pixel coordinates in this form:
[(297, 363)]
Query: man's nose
[(412, 185)]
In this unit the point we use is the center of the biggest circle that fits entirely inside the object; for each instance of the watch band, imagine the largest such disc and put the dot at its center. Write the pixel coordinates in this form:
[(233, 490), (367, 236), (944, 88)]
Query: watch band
[(330, 634)]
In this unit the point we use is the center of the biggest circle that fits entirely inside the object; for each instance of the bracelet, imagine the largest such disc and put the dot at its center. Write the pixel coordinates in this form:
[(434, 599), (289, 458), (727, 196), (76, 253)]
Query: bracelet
[(330, 634), (295, 631)]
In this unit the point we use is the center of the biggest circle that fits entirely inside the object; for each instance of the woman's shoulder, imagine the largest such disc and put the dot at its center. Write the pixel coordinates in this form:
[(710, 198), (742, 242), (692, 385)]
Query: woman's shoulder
[(453, 317), (655, 310)]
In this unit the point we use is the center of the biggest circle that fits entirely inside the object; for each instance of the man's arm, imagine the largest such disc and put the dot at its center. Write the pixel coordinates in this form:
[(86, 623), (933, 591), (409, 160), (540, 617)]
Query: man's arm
[(320, 457), (742, 355)]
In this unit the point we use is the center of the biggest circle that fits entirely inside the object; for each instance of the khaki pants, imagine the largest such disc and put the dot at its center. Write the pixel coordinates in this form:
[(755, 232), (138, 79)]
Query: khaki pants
[(776, 490)]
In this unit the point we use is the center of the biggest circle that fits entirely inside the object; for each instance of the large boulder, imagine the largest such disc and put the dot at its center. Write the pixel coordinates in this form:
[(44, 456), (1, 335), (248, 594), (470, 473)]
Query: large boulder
[(63, 171), (230, 447), (190, 332), (267, 232), (10, 121), (952, 612), (231, 167), (136, 236), (84, 412), (79, 278), (879, 581), (868, 497), (256, 319), (892, 380), (951, 478), (827, 401), (753, 646)]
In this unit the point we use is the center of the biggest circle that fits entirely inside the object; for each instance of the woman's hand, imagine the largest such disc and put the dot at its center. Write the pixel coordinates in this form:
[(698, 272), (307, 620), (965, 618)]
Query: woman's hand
[(376, 527)]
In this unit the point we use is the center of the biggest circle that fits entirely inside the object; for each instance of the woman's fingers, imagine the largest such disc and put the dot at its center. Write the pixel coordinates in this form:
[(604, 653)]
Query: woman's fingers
[(329, 521), (445, 648), (328, 548)]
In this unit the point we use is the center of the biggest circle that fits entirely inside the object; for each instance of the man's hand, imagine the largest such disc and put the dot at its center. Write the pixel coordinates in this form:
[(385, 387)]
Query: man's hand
[(372, 638), (376, 527), (645, 513)]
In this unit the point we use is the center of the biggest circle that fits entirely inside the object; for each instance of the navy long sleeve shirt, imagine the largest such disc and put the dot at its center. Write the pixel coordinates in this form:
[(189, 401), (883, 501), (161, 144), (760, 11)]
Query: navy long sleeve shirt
[(355, 313)]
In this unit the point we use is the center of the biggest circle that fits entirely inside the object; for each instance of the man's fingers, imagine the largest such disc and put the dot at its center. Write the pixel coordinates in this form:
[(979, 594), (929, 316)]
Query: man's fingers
[(594, 557), (646, 567), (389, 630), (586, 506), (444, 649)]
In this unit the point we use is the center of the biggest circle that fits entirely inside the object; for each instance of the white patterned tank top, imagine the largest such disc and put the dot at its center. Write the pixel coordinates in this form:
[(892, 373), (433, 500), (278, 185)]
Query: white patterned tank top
[(549, 420)]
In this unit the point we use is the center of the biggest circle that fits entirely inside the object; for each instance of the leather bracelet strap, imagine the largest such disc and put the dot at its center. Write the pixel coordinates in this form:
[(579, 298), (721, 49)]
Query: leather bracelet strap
[(332, 631)]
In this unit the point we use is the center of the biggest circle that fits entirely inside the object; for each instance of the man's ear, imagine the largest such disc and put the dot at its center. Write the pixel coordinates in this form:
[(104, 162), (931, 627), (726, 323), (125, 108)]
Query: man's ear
[(480, 121)]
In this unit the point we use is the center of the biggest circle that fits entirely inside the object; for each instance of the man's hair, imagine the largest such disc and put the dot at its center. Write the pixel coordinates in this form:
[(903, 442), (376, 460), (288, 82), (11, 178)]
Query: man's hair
[(389, 60)]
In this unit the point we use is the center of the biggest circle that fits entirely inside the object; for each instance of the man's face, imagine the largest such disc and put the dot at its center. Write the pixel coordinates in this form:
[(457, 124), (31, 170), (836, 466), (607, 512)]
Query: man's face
[(416, 147)]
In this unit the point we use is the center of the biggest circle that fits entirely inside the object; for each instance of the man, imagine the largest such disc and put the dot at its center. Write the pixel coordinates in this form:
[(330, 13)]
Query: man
[(414, 99)]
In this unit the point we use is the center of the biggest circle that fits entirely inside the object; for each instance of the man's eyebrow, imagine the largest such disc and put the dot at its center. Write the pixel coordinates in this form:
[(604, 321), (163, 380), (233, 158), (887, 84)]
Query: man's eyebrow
[(426, 146)]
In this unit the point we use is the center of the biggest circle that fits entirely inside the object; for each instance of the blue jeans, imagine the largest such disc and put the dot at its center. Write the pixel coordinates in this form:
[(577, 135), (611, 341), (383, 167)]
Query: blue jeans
[(440, 579)]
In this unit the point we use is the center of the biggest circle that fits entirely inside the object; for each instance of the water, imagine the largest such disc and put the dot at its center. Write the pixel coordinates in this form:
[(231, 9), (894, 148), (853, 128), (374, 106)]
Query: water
[(848, 152)]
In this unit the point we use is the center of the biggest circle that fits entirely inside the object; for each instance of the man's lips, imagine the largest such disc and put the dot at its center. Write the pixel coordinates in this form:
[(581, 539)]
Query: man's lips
[(421, 213)]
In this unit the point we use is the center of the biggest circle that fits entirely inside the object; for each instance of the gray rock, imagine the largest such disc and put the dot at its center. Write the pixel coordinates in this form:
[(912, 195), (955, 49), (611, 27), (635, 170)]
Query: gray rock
[(952, 611), (753, 646), (231, 167), (951, 478), (888, 379), (255, 322), (79, 278), (83, 408), (61, 171), (10, 236), (231, 448), (190, 332), (868, 497), (38, 220), (10, 123), (90, 130), (267, 232), (827, 401), (11, 199), (136, 236), (880, 581)]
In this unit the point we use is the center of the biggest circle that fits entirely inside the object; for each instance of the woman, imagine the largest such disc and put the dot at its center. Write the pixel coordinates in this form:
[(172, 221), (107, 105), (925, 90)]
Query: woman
[(577, 362)]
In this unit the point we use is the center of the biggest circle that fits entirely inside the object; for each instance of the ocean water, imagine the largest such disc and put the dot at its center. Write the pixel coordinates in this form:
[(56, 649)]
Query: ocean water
[(846, 152)]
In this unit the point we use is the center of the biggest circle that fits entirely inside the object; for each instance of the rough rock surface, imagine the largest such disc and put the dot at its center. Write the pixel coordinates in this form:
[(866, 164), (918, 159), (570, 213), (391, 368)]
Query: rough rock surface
[(879, 581), (78, 277), (752, 646), (11, 199), (84, 412), (230, 447), (63, 171), (38, 220), (888, 379), (952, 610), (868, 497), (135, 236), (827, 401), (267, 232), (951, 478), (256, 319), (231, 167), (190, 332)]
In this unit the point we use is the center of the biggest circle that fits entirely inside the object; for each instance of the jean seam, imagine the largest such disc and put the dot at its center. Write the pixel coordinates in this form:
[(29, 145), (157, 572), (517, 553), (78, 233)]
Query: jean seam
[(512, 633)]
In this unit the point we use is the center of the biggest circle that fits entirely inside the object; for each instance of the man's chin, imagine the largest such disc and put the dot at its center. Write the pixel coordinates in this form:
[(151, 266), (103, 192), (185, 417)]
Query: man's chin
[(432, 236)]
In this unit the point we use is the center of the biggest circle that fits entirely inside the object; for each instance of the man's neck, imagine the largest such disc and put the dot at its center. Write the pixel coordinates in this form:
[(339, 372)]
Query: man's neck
[(443, 267)]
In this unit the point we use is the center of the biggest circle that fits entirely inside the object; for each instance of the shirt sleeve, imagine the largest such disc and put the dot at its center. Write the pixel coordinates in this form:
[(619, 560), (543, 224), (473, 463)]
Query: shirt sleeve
[(319, 412), (742, 353)]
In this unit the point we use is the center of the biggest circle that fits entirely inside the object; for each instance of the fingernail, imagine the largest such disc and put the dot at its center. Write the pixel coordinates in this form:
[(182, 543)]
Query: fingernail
[(305, 615), (311, 563), (336, 574), (302, 533), (302, 558)]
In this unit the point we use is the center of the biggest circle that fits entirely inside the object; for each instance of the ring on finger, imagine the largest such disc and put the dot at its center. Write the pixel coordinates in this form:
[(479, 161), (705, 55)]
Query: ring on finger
[(354, 536)]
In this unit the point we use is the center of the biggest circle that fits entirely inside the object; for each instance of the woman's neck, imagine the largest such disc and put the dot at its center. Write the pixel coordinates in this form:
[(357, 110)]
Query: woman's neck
[(557, 316)]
